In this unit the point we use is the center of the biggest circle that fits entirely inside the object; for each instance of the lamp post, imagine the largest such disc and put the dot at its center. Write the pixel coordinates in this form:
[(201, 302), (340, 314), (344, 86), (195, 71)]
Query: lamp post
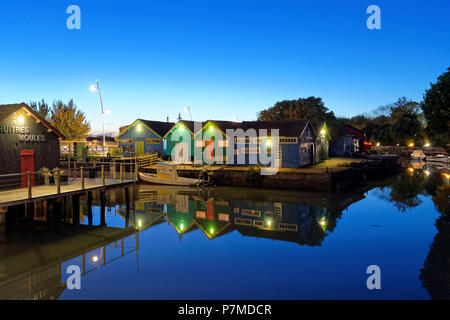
[(96, 87), (188, 109)]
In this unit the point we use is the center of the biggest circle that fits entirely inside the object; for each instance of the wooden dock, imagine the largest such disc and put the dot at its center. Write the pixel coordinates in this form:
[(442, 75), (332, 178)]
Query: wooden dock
[(40, 193)]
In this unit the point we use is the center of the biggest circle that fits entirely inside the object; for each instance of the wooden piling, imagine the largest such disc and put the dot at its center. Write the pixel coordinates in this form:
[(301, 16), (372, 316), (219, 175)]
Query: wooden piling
[(114, 170), (82, 178), (103, 208), (76, 209), (127, 199), (29, 184), (58, 181), (103, 175), (89, 207)]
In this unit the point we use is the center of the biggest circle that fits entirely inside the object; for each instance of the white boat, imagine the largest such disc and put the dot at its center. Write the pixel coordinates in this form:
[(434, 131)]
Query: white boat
[(438, 158), (166, 174), (418, 155)]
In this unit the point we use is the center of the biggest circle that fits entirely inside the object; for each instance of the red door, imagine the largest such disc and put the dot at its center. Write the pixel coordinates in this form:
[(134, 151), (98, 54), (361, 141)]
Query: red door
[(210, 209), (210, 150), (27, 164)]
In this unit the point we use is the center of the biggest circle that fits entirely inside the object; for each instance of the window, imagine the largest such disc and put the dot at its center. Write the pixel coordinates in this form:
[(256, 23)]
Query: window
[(200, 214), (153, 141), (200, 143), (288, 140), (250, 150), (245, 140), (258, 223), (223, 143), (236, 210), (252, 213), (278, 210), (244, 222), (224, 217), (126, 140), (287, 227)]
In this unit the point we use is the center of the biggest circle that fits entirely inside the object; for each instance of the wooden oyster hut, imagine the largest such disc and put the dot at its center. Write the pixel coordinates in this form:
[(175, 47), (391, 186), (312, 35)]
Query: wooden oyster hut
[(27, 141)]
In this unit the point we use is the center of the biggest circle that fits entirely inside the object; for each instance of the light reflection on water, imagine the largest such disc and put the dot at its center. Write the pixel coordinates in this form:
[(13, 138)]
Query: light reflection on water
[(236, 243)]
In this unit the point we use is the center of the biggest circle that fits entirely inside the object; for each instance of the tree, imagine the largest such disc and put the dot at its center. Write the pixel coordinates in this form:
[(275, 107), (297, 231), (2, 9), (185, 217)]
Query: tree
[(70, 121), (406, 125), (436, 104), (311, 108), (436, 109), (42, 108)]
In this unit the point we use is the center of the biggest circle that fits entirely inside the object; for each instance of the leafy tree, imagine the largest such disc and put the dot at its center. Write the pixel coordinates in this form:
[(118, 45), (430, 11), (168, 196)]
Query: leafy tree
[(436, 104), (70, 121), (436, 110), (41, 107), (406, 125), (311, 108)]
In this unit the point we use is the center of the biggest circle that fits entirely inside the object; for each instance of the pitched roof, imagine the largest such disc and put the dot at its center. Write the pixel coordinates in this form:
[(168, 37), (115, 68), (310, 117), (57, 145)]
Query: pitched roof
[(8, 109), (188, 124), (160, 127), (287, 128)]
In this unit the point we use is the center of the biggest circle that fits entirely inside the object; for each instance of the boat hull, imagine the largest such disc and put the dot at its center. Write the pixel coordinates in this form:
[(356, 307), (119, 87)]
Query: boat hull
[(152, 179)]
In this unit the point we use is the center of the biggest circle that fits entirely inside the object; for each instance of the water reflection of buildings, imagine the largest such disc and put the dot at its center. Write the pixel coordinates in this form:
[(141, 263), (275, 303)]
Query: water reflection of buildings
[(218, 213)]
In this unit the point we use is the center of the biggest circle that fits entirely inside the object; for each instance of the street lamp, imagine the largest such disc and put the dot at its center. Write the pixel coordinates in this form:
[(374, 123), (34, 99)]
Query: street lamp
[(187, 109), (96, 87)]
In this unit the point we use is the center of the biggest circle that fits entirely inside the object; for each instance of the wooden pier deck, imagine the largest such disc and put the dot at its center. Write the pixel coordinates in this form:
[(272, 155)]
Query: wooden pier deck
[(40, 193)]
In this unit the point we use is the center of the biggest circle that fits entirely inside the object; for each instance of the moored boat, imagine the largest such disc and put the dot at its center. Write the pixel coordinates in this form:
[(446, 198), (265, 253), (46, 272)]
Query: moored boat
[(166, 174), (438, 158), (418, 155)]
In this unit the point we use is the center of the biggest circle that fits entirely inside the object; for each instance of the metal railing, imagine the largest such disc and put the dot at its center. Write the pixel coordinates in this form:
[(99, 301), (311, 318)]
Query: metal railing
[(52, 181)]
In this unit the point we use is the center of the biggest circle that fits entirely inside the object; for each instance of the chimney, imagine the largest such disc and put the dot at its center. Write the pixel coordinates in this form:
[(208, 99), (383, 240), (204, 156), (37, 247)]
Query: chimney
[(167, 119)]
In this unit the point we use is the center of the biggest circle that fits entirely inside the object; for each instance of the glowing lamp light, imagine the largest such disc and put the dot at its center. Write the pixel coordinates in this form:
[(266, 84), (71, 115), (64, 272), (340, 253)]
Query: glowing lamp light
[(269, 223), (447, 176), (411, 145), (95, 258), (427, 145), (322, 132), (140, 223), (322, 222), (211, 231), (20, 120), (181, 227), (411, 170), (139, 127), (427, 172), (378, 144), (268, 142), (181, 127), (211, 128), (93, 88)]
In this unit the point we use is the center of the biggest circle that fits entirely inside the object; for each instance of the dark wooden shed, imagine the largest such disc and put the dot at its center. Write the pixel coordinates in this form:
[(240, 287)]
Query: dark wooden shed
[(27, 141)]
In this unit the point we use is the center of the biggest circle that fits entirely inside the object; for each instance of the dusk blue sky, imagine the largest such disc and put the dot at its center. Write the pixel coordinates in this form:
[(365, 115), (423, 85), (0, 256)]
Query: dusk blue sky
[(224, 58)]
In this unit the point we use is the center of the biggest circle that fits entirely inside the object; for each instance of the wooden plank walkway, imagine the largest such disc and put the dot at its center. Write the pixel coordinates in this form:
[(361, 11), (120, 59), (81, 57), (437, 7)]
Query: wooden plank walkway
[(40, 193)]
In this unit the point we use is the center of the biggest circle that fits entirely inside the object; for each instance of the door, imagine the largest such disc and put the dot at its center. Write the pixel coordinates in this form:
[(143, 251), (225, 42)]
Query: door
[(139, 147), (27, 164), (311, 154), (210, 151), (181, 153)]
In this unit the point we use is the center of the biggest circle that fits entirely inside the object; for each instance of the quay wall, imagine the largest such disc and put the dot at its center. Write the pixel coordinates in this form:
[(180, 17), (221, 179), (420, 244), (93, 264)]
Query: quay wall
[(355, 175)]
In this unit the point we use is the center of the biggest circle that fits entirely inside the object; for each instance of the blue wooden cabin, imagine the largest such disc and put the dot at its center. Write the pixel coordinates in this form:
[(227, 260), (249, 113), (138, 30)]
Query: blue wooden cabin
[(143, 136)]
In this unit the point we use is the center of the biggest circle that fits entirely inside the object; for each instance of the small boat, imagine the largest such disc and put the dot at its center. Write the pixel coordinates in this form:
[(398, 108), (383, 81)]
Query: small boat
[(418, 155), (166, 174), (438, 158)]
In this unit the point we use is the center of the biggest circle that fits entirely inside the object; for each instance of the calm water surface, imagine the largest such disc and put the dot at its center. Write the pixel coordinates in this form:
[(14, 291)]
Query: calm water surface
[(225, 243)]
